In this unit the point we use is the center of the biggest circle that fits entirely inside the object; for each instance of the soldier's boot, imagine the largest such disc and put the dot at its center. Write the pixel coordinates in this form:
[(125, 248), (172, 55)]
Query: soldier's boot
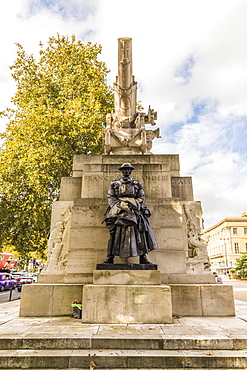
[(144, 260), (110, 259)]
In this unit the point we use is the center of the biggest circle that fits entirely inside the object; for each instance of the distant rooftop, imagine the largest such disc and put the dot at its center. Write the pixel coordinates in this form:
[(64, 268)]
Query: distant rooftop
[(228, 219)]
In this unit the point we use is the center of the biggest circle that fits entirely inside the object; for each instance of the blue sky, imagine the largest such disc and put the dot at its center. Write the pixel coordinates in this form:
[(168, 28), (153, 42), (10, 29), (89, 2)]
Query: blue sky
[(189, 59)]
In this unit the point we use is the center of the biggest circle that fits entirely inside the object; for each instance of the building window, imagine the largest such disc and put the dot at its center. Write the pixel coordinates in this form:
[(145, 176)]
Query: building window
[(245, 230), (235, 230), (236, 246)]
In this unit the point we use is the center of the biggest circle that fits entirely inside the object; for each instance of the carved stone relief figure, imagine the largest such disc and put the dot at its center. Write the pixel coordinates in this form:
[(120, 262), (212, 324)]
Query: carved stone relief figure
[(58, 243), (198, 260), (54, 247), (63, 258)]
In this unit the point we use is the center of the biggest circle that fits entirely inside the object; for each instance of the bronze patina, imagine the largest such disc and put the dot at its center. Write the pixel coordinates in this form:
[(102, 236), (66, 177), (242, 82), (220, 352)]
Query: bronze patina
[(127, 219)]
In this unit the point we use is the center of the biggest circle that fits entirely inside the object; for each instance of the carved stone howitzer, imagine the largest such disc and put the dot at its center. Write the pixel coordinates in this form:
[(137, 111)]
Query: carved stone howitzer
[(125, 131)]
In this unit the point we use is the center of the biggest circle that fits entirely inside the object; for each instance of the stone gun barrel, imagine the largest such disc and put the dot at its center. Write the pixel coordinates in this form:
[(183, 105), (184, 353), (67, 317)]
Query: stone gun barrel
[(125, 62), (125, 86)]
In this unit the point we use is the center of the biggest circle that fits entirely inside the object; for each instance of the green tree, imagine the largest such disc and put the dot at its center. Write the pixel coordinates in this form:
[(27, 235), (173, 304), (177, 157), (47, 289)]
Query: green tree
[(241, 265), (60, 107)]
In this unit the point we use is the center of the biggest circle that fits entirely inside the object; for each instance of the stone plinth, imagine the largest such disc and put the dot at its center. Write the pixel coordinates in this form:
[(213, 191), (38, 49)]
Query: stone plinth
[(126, 296), (186, 299), (116, 304), (120, 277)]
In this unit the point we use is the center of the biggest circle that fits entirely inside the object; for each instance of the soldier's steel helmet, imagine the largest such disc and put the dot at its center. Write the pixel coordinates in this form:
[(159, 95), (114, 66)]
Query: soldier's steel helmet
[(126, 165)]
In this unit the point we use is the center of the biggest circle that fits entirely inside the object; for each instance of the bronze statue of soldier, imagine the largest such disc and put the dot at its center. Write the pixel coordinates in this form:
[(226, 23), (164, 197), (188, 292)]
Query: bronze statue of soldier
[(127, 219)]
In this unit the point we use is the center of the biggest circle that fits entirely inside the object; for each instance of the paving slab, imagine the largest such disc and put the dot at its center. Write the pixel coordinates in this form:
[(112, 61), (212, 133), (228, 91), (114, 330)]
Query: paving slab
[(67, 332)]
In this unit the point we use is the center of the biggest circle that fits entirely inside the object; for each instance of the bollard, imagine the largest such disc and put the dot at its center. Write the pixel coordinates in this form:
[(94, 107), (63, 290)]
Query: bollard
[(10, 294)]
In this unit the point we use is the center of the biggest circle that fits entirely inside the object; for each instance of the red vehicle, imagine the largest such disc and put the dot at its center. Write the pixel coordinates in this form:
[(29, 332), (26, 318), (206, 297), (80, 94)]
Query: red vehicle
[(7, 261)]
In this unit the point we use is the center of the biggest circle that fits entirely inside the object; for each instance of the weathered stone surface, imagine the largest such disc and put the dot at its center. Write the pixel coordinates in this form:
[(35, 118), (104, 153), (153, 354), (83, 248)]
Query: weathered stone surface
[(127, 359), (51, 278), (70, 188), (206, 278), (169, 262), (186, 300), (49, 299), (182, 188), (169, 162), (126, 277), (127, 304), (217, 300), (202, 300)]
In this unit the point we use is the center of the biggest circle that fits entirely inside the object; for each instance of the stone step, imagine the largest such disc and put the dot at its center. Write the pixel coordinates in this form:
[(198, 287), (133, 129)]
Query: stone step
[(123, 359), (124, 342)]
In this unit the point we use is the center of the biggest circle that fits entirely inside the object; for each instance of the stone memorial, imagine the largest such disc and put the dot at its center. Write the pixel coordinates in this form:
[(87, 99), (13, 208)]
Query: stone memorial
[(79, 238)]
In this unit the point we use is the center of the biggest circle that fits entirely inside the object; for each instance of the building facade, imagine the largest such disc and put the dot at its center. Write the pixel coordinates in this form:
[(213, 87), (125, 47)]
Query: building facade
[(226, 241)]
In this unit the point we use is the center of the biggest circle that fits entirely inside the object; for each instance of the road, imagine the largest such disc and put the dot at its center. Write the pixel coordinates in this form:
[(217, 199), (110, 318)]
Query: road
[(239, 288), (5, 295)]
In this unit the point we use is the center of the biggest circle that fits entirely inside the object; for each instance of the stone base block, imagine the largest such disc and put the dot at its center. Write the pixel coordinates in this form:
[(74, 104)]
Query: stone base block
[(116, 304), (126, 277), (204, 278), (51, 278), (202, 300), (81, 278), (48, 299)]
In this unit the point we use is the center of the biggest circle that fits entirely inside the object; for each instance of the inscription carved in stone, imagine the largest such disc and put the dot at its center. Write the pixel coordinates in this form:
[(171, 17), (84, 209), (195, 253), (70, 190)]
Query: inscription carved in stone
[(181, 180), (139, 178), (72, 181)]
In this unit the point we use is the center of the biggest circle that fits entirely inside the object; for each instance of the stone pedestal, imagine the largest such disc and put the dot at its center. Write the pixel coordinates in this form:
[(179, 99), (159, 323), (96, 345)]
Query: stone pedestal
[(81, 209), (126, 297), (186, 299), (85, 196)]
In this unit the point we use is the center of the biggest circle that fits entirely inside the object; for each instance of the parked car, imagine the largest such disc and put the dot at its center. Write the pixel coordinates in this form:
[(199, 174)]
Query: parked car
[(6, 282), (23, 280)]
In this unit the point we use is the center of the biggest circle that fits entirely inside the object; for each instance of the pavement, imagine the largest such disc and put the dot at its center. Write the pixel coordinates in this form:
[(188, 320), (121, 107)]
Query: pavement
[(66, 343), (197, 328)]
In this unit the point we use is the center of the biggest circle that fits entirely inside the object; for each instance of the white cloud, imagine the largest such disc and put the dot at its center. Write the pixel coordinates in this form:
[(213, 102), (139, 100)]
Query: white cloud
[(167, 35)]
